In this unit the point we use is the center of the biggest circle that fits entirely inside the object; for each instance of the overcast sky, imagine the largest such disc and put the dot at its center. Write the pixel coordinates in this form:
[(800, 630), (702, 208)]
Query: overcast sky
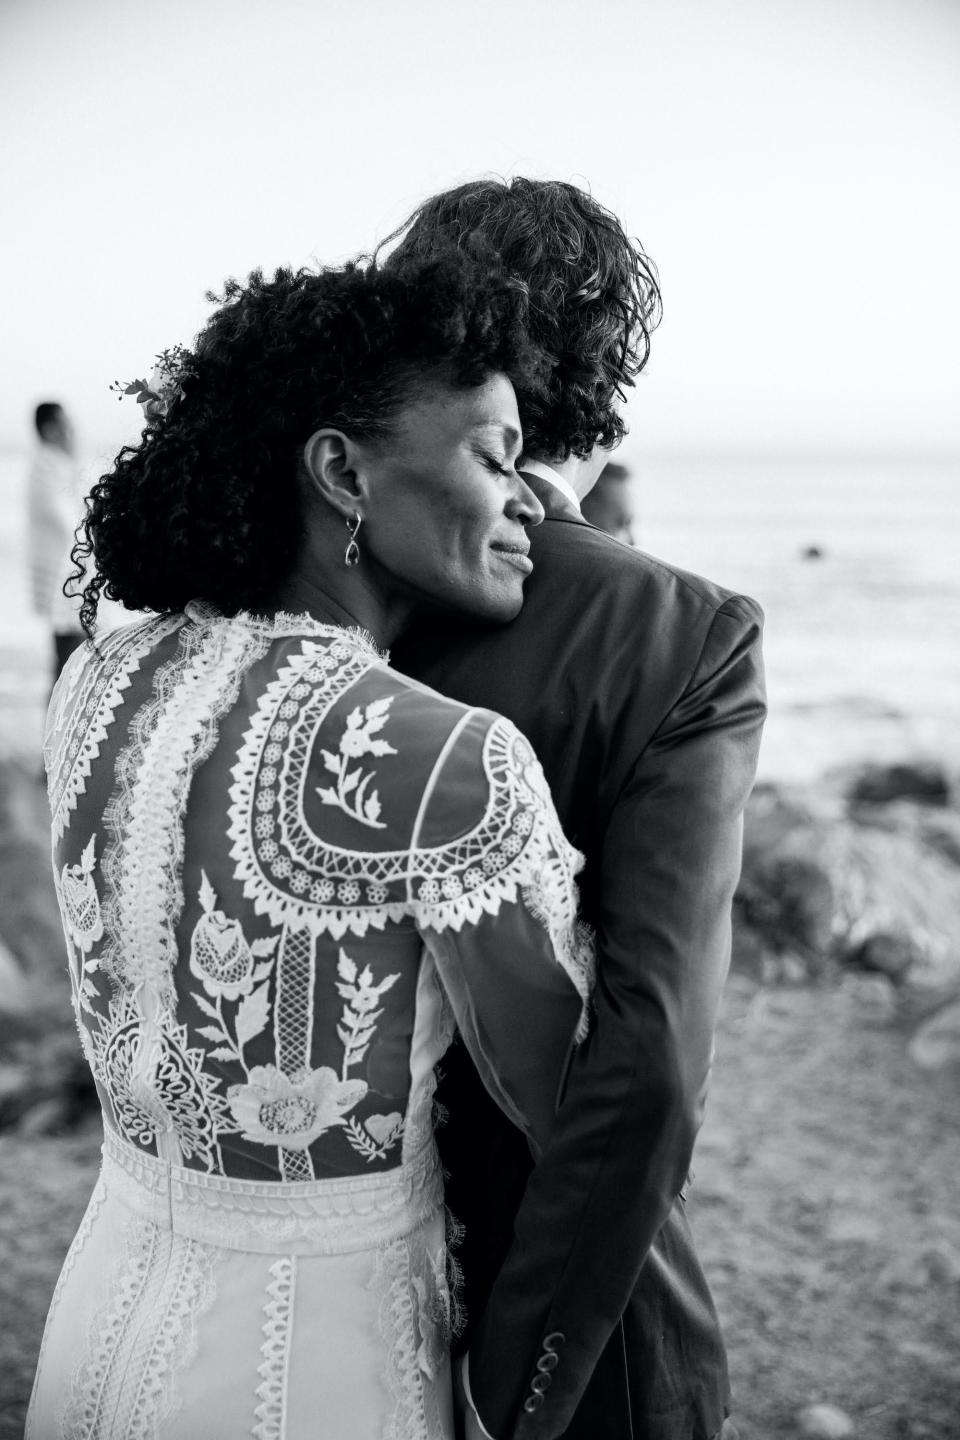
[(790, 164)]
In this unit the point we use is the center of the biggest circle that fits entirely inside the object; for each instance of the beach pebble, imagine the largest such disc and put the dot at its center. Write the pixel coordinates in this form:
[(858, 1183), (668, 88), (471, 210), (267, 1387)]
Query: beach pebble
[(825, 1422), (937, 1042)]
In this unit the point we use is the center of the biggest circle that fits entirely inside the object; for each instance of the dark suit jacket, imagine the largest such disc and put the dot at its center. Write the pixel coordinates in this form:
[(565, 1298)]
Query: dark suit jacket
[(641, 690)]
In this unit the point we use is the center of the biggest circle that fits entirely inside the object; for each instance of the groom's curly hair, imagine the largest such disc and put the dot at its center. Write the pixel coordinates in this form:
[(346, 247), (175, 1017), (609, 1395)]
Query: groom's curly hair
[(594, 296), (207, 505)]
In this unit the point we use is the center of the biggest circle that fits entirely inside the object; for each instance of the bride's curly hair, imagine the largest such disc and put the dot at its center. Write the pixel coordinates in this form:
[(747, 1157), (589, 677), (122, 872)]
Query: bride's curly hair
[(594, 296), (207, 505)]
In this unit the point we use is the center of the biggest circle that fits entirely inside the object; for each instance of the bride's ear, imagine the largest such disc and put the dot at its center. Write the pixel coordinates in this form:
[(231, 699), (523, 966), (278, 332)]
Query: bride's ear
[(332, 462)]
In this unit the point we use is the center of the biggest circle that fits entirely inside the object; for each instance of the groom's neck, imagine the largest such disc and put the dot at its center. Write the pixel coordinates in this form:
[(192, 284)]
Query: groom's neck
[(579, 472)]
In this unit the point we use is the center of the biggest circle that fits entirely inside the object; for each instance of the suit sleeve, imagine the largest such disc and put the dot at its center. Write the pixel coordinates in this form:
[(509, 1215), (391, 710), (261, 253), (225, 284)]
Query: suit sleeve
[(621, 1144)]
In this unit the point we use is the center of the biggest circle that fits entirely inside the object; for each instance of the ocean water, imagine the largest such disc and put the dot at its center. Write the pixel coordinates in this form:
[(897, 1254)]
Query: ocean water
[(862, 645)]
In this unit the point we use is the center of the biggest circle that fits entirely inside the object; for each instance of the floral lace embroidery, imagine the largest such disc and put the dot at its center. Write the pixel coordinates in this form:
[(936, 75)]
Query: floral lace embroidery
[(159, 1091), (79, 900), (275, 1351), (143, 1335), (295, 878)]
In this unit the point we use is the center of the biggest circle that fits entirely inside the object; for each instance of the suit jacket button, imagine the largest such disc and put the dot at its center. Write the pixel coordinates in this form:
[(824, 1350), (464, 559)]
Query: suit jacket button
[(548, 1360), (555, 1338), (533, 1402), (541, 1382)]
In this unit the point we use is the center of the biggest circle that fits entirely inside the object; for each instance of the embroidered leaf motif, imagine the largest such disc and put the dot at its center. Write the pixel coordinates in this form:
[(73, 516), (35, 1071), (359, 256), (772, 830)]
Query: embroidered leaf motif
[(371, 808), (208, 896), (331, 762), (265, 945), (329, 797), (252, 1014), (379, 1134), (212, 1032), (358, 1021), (222, 1054), (350, 781), (86, 859), (206, 1006)]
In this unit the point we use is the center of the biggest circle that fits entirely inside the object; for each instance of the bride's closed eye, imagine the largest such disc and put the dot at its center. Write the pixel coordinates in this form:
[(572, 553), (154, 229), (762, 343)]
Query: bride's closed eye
[(497, 467)]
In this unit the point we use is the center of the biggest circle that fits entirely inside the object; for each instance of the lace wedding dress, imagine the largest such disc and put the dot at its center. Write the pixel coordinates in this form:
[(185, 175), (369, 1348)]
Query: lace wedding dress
[(285, 873)]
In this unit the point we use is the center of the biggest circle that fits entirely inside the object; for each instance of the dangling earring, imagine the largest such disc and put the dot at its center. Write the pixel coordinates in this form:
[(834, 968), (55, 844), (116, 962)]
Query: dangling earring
[(351, 556)]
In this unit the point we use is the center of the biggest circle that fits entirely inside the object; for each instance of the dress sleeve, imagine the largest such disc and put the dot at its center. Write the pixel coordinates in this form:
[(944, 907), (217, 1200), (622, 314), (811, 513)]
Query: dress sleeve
[(496, 906)]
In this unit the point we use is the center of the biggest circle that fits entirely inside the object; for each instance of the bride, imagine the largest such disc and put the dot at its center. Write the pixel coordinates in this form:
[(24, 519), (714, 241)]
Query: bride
[(286, 872)]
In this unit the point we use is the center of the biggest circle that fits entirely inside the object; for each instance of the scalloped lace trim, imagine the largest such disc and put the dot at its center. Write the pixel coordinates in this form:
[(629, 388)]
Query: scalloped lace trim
[(93, 1209), (275, 1351), (413, 1342), (144, 1334), (91, 690)]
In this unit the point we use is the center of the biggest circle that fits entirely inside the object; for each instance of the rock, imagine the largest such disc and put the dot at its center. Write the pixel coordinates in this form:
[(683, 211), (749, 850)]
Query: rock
[(885, 953), (789, 900), (825, 1422), (925, 783), (936, 1044)]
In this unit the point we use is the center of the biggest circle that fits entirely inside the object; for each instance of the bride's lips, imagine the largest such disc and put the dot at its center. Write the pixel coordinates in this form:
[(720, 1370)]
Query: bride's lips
[(515, 555)]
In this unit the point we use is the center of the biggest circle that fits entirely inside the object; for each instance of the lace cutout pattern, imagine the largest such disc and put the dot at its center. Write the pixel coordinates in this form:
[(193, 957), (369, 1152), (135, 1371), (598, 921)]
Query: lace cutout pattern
[(157, 1083), (296, 878), (142, 1337), (92, 689), (275, 1351)]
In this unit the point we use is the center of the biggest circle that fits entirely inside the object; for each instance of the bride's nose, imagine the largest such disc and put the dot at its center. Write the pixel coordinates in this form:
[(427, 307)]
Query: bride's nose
[(522, 503)]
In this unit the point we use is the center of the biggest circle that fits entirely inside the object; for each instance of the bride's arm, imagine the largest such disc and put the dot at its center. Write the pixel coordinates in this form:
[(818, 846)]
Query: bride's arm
[(497, 912)]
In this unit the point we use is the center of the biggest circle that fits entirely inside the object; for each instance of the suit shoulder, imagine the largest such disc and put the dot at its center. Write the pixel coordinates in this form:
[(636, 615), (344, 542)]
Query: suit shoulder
[(577, 551)]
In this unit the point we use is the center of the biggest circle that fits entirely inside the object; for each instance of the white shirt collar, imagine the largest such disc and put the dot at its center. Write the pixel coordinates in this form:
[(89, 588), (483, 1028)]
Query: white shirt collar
[(545, 472)]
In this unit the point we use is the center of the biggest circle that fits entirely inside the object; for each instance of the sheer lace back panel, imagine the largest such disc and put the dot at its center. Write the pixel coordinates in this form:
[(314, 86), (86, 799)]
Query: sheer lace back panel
[(254, 825)]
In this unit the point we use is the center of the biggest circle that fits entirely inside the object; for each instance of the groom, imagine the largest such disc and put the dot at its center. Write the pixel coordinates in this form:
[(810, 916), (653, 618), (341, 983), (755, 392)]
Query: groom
[(641, 690)]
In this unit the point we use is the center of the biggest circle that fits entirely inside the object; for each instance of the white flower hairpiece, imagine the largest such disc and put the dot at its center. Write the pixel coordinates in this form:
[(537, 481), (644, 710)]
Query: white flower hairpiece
[(165, 385)]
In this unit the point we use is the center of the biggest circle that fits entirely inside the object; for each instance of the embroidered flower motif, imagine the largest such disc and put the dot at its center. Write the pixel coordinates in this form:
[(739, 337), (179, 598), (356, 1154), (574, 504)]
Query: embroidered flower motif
[(273, 1109), (81, 905), (351, 796), (219, 954)]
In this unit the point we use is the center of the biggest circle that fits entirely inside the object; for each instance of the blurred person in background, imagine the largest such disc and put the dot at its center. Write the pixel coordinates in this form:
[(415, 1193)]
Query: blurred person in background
[(610, 506), (641, 689), (54, 510)]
